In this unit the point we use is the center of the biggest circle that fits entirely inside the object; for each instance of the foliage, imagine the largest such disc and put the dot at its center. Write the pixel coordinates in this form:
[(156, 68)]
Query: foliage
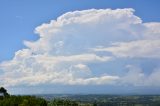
[(22, 101), (62, 102), (4, 91)]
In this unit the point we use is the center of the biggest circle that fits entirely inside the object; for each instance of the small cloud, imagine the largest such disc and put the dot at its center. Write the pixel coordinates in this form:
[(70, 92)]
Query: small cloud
[(19, 17)]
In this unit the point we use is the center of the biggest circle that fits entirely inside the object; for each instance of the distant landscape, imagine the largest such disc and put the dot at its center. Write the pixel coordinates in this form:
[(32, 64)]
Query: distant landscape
[(77, 100), (106, 100)]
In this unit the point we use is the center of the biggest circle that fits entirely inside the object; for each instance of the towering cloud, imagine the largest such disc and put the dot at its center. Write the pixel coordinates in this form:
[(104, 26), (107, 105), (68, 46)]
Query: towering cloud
[(69, 47)]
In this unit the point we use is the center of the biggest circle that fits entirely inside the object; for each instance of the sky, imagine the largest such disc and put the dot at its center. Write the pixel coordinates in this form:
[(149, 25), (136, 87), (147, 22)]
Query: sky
[(83, 46)]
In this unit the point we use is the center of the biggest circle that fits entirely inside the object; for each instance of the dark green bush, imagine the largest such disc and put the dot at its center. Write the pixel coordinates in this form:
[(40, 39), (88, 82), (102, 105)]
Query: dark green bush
[(22, 101)]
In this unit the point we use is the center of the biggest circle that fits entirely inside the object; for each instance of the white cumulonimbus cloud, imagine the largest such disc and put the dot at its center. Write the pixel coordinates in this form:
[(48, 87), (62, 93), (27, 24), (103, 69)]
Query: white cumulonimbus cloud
[(68, 46)]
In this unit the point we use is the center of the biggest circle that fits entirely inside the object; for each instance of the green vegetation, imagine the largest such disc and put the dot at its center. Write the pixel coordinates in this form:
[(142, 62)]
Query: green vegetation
[(60, 102), (11, 100), (78, 100), (22, 101), (67, 102), (8, 100), (3, 92)]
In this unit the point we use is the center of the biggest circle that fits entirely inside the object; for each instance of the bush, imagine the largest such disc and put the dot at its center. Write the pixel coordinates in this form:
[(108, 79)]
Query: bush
[(22, 101)]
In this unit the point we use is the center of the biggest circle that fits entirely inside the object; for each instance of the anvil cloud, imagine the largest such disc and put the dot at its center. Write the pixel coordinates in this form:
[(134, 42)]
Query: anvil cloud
[(69, 46)]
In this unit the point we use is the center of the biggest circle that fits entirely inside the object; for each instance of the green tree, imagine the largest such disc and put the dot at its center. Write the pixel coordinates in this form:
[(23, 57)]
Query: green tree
[(4, 91)]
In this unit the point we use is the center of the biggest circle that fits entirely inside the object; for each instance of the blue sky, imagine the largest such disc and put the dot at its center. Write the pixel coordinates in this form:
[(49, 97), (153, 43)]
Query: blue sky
[(20, 19)]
